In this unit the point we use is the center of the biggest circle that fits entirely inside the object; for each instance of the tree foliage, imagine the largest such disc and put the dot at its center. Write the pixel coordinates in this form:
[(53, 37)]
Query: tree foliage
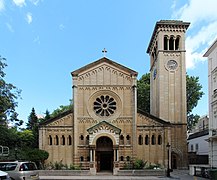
[(62, 109), (193, 95), (143, 93), (8, 97)]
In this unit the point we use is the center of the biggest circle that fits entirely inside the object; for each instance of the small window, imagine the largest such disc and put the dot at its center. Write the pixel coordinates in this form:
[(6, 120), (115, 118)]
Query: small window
[(50, 140), (121, 139), (87, 139), (128, 139), (153, 140), (81, 158), (192, 147), (82, 137), (140, 140), (122, 158), (69, 140), (128, 158), (57, 140), (197, 147), (88, 158), (159, 140), (63, 140), (146, 140)]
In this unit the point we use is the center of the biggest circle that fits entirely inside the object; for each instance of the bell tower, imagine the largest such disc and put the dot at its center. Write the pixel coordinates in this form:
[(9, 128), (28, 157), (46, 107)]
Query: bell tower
[(168, 71)]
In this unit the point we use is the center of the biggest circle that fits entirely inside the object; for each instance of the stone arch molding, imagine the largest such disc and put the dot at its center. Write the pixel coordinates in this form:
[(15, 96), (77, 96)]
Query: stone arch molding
[(104, 129)]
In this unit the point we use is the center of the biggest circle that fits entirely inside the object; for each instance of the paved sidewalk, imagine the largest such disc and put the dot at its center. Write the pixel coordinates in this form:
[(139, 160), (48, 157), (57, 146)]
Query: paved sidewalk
[(177, 174)]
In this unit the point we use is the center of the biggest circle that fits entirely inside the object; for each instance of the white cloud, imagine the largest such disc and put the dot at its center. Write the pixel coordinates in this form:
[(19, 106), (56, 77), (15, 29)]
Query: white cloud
[(37, 40), (10, 28), (19, 3), (203, 29), (29, 18), (35, 2), (2, 5), (61, 27)]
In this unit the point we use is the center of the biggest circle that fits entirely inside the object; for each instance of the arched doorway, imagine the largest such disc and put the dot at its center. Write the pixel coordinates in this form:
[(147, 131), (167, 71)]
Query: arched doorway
[(174, 161), (104, 154)]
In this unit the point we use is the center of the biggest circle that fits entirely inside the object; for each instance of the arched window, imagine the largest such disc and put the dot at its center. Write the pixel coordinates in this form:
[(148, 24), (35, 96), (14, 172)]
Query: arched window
[(57, 140), (153, 140), (165, 43), (122, 158), (140, 140), (128, 139), (128, 158), (159, 140), (50, 140), (81, 158), (177, 41), (69, 140), (87, 139), (146, 140), (121, 139), (63, 140), (171, 43), (88, 158), (81, 139)]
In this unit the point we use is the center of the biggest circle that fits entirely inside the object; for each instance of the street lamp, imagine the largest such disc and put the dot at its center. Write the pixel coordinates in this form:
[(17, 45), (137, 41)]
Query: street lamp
[(168, 164)]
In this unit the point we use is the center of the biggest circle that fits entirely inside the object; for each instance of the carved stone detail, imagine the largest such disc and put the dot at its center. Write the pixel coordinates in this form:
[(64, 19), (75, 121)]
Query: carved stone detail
[(104, 68)]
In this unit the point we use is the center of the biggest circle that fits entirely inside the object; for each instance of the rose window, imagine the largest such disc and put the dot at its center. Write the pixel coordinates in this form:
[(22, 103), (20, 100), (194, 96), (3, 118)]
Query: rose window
[(104, 106)]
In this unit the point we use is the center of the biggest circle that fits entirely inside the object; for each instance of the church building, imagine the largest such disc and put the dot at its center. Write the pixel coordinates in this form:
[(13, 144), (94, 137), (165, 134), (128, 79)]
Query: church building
[(105, 130)]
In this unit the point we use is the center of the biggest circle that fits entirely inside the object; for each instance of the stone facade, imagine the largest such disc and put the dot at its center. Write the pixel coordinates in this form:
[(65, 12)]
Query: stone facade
[(105, 131)]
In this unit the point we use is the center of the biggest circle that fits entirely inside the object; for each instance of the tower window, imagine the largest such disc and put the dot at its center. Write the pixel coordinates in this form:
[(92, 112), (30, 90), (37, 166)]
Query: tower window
[(171, 43), (177, 43), (165, 43)]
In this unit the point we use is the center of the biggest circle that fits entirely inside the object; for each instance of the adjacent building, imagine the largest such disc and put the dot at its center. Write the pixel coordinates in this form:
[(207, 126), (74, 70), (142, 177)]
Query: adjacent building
[(198, 145), (211, 54)]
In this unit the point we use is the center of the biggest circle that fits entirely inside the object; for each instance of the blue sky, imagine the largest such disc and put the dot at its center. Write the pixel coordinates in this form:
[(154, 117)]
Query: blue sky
[(43, 41)]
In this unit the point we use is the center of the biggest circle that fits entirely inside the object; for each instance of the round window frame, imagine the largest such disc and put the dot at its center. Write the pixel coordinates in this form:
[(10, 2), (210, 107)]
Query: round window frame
[(93, 98)]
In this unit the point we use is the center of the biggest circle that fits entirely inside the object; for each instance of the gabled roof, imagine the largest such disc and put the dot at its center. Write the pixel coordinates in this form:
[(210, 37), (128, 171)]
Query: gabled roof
[(104, 59), (65, 113), (153, 117), (104, 123)]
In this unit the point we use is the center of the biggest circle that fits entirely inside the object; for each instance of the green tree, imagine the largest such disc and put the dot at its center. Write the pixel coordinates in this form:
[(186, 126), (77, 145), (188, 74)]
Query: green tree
[(143, 93), (8, 97), (32, 120), (193, 95), (32, 125), (62, 109)]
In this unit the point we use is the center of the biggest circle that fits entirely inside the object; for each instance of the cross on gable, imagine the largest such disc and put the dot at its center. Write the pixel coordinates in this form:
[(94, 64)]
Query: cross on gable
[(104, 51)]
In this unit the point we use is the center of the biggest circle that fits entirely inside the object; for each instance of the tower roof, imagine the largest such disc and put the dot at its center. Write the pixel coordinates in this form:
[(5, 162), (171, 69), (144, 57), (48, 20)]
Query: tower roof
[(168, 25)]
